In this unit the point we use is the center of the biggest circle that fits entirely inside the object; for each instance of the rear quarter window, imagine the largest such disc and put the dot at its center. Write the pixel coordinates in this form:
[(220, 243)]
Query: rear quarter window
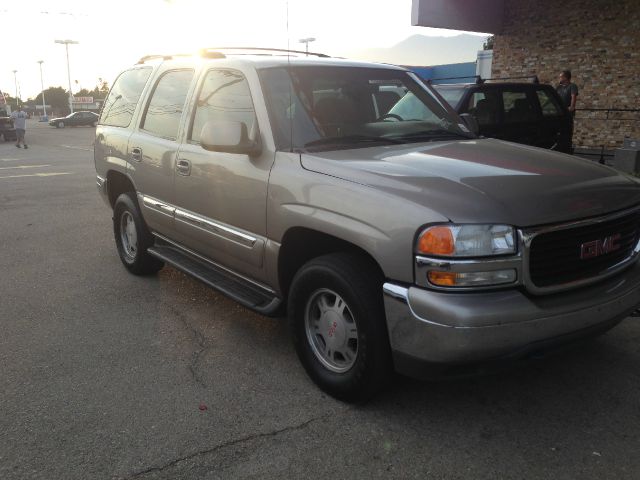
[(120, 105)]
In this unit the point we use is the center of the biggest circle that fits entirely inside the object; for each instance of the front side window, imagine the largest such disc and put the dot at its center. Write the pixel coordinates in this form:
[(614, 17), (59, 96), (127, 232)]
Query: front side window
[(517, 107), (224, 96), (119, 106), (162, 117), (326, 108), (484, 107)]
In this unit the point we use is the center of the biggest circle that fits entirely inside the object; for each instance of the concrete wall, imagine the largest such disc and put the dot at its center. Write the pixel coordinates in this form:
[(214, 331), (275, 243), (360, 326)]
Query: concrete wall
[(598, 40)]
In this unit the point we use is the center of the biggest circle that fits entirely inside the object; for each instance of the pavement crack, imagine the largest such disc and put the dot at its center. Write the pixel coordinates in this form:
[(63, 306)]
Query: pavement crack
[(200, 347), (230, 443)]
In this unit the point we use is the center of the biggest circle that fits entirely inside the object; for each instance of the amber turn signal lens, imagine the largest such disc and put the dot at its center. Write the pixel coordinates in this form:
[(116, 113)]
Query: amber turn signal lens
[(436, 241), (442, 279)]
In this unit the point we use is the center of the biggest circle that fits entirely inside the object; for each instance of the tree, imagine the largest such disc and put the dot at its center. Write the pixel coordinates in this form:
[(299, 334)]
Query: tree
[(488, 44), (57, 97)]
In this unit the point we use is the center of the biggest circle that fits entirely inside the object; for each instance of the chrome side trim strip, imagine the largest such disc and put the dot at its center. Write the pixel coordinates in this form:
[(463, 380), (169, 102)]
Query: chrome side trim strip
[(211, 262), (157, 205), (216, 228)]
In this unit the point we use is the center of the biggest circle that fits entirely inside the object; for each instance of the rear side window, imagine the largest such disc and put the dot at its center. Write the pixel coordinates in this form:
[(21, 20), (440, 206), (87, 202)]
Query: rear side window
[(548, 104), (517, 107), (224, 95), (163, 113), (118, 109)]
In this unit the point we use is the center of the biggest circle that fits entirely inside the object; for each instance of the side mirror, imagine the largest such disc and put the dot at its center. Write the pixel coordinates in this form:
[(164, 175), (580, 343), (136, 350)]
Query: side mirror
[(471, 122), (229, 137)]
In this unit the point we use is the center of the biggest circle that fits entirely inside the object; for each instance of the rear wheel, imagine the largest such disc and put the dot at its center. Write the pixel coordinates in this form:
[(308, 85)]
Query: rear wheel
[(338, 325), (133, 237)]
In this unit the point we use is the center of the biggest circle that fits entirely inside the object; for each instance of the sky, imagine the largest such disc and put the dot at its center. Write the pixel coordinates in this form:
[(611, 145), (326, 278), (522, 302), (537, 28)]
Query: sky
[(114, 34)]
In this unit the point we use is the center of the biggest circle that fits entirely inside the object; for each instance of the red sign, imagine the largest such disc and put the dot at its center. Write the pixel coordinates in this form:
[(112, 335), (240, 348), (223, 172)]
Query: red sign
[(82, 99)]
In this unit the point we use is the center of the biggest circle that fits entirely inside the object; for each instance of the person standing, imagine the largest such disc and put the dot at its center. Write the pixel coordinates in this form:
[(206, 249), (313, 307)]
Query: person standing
[(568, 91), (20, 123), (569, 94)]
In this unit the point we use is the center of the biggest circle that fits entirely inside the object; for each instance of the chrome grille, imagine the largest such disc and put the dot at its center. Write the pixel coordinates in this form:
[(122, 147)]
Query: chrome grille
[(555, 255)]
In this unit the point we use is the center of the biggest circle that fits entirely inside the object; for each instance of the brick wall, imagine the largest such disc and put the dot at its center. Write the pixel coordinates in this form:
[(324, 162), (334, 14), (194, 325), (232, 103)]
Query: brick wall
[(598, 40)]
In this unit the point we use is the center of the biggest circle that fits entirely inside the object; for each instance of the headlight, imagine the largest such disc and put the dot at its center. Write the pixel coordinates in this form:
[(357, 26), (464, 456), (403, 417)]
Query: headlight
[(466, 241)]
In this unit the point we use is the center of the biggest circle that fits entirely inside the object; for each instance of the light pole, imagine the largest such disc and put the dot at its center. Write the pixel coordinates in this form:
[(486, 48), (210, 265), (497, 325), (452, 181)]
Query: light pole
[(44, 108), (307, 41), (66, 43), (15, 81)]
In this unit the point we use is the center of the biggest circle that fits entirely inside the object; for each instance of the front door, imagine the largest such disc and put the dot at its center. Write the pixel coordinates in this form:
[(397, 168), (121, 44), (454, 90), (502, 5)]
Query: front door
[(221, 197)]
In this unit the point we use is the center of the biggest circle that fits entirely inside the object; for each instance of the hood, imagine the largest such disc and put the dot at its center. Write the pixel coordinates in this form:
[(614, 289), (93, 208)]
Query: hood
[(485, 180)]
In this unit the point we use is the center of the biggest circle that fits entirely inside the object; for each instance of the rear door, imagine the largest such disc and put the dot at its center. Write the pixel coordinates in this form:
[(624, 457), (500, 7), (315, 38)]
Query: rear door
[(153, 148)]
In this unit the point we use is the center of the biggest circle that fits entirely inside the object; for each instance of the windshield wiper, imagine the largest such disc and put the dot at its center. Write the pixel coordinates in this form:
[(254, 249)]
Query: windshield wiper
[(431, 135), (351, 140)]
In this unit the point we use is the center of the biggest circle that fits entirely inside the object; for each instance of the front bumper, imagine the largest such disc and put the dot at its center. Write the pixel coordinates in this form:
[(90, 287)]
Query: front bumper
[(436, 328)]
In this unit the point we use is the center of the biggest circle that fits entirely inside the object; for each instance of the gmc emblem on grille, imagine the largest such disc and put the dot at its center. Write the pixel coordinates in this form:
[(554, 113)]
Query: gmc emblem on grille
[(595, 248)]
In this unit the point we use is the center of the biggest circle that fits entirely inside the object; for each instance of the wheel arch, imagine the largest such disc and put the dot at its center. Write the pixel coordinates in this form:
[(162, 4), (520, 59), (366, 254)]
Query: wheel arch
[(301, 244), (117, 184)]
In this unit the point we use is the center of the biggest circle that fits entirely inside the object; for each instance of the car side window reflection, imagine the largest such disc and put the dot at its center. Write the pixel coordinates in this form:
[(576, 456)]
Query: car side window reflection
[(162, 117), (224, 96)]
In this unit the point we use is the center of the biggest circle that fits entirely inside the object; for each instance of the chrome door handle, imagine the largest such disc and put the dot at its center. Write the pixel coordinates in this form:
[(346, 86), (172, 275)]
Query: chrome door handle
[(184, 167), (136, 154)]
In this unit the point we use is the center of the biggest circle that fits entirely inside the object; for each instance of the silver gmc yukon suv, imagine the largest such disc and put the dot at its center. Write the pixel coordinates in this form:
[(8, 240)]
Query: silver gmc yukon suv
[(352, 197)]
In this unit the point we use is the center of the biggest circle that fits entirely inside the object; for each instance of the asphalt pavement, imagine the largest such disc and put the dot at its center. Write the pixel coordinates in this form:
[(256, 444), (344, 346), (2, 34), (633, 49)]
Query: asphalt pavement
[(105, 375)]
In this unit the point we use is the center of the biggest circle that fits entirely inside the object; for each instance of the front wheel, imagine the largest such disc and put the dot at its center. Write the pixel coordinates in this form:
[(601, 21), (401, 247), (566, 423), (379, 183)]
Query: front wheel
[(133, 237), (338, 325), (60, 125)]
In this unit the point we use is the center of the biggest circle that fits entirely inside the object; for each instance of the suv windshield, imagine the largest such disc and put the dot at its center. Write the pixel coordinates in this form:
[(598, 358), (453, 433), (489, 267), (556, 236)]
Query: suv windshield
[(329, 108), (451, 94)]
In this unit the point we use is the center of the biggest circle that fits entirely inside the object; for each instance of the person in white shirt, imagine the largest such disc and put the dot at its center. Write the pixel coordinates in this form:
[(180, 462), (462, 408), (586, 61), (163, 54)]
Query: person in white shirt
[(20, 123)]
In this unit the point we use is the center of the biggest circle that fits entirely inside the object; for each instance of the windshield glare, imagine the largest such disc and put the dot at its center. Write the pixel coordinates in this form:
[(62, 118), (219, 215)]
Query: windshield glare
[(325, 108)]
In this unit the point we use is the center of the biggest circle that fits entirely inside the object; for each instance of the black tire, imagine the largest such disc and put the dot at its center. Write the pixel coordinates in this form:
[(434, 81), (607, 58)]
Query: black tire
[(60, 125), (136, 260), (360, 285)]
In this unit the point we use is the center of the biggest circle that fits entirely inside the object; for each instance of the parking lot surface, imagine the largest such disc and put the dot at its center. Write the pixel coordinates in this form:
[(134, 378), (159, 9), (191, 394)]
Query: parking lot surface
[(105, 375)]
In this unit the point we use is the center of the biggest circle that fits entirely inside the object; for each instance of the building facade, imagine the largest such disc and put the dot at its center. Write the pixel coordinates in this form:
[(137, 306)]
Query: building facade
[(598, 40)]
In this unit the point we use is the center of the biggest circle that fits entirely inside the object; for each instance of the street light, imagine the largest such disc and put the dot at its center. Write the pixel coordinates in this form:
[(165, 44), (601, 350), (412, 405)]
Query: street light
[(307, 41), (66, 43), (44, 108), (15, 81)]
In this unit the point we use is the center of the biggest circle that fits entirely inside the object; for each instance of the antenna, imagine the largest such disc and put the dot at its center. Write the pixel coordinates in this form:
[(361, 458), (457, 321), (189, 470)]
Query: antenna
[(291, 110)]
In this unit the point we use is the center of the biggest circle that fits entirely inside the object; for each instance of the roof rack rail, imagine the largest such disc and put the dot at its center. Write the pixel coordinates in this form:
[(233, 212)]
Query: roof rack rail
[(476, 79), (210, 50), (532, 78), (147, 58)]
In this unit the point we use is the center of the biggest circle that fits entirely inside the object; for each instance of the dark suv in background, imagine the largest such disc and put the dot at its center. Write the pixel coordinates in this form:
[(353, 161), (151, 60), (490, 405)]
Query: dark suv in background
[(528, 113)]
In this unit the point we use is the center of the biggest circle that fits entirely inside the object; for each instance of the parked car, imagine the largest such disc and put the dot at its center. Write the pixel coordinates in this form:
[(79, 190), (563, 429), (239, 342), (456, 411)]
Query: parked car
[(7, 130), (528, 113), (295, 184), (75, 119)]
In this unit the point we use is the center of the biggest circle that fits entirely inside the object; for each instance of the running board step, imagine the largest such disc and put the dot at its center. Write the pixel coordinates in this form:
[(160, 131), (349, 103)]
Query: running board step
[(240, 290)]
